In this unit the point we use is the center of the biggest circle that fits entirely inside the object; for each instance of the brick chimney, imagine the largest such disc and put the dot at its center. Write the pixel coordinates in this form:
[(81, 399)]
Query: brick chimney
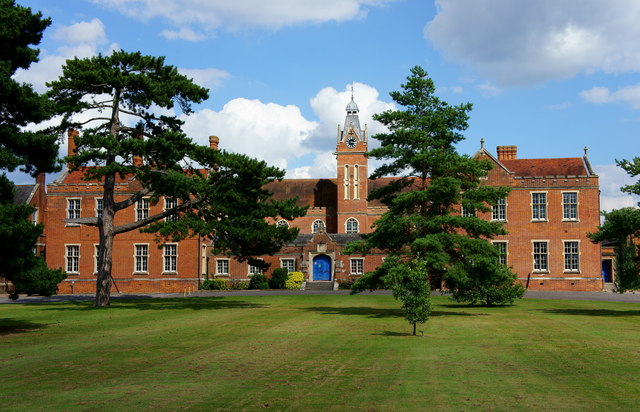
[(213, 142), (41, 179), (72, 149), (507, 152)]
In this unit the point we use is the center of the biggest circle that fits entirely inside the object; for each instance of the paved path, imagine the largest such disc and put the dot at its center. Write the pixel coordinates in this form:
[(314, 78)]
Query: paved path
[(598, 296)]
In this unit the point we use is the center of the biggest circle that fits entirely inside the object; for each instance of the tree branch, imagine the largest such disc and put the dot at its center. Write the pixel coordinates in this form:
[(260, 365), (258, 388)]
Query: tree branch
[(87, 221), (154, 218), (134, 198)]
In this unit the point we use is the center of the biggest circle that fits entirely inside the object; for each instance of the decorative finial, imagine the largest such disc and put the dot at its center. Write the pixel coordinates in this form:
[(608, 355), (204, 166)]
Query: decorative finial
[(586, 150), (351, 90), (481, 143)]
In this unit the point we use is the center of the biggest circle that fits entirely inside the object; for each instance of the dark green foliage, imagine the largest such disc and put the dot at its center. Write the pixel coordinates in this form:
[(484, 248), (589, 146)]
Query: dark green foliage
[(623, 227), (215, 284), (258, 281), (32, 152), (423, 227), (345, 283), (40, 280), (278, 278), (220, 195)]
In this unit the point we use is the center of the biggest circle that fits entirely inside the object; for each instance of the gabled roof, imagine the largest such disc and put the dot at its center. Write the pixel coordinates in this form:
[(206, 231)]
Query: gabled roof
[(568, 166), (24, 193)]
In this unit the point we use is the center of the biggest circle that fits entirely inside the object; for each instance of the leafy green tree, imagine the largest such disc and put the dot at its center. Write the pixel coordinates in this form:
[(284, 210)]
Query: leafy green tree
[(623, 227), (423, 221), (32, 152), (126, 97)]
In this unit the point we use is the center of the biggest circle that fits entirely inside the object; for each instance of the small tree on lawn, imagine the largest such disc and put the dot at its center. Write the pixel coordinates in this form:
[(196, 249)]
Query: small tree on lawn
[(123, 100), (32, 152), (423, 229)]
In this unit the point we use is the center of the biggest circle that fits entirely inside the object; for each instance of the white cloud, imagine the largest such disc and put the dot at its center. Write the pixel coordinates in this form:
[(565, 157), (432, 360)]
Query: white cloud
[(91, 32), (213, 14), (527, 42), (629, 94), (183, 34), (266, 131), (206, 77), (612, 178), (324, 165)]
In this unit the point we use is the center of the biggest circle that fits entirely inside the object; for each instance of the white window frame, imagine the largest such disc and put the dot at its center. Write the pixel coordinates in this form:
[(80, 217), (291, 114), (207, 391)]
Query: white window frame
[(573, 206), (504, 258), (96, 247), (282, 222), (72, 261), (356, 182), (253, 270), (499, 211), (356, 266), (346, 182), (346, 225), (465, 213), (34, 216), (99, 206), (224, 263), (73, 213), (316, 225), (545, 253), (140, 261), (545, 207), (142, 209), (170, 261), (284, 263), (170, 203), (569, 266)]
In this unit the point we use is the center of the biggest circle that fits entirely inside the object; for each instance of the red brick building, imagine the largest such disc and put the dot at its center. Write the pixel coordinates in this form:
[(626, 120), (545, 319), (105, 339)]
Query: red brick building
[(552, 205)]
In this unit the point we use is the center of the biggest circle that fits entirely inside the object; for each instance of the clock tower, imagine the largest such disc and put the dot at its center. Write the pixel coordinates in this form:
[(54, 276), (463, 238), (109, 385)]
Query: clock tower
[(351, 155)]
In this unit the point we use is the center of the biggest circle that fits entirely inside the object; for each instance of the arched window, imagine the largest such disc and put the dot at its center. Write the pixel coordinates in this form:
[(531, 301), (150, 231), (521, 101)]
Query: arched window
[(346, 181), (282, 222), (351, 225), (356, 182), (318, 226)]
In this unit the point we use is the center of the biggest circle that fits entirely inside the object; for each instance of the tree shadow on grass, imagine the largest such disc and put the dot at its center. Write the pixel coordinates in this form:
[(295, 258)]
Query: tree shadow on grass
[(208, 303), (377, 312), (393, 334), (593, 312), (10, 326)]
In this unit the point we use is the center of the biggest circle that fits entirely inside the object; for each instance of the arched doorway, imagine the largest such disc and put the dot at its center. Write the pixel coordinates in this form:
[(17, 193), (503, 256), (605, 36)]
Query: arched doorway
[(321, 268)]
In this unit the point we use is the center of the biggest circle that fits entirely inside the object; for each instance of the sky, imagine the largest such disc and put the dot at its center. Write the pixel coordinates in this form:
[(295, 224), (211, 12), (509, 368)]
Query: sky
[(550, 76)]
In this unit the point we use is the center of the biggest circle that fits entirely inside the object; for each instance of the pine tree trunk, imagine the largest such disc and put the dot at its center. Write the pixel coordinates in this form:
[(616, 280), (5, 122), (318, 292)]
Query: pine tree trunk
[(414, 328), (105, 250)]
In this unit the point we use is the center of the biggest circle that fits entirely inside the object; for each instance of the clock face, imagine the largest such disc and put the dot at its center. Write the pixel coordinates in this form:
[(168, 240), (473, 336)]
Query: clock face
[(351, 142)]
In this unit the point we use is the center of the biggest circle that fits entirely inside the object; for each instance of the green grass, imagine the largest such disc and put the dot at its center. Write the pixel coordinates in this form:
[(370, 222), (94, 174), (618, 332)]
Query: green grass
[(318, 353)]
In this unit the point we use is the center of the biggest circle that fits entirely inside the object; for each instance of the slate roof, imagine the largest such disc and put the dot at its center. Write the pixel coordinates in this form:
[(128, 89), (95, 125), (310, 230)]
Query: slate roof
[(24, 193), (339, 238), (568, 166)]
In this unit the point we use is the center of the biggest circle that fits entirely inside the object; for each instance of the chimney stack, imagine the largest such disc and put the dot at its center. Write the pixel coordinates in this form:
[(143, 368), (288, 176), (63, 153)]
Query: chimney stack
[(41, 179), (72, 149), (507, 152), (213, 142)]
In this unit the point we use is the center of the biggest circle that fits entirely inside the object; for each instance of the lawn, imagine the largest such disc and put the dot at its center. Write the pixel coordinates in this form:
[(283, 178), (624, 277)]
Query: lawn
[(314, 352)]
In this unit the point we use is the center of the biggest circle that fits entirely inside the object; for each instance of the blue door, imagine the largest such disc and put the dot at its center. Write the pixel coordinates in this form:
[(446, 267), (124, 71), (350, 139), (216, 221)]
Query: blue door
[(607, 270), (321, 267)]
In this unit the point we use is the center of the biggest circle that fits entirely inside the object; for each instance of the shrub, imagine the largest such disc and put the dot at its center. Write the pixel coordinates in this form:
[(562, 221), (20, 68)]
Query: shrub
[(215, 284), (239, 285), (258, 281), (40, 280), (345, 283), (294, 281), (278, 278)]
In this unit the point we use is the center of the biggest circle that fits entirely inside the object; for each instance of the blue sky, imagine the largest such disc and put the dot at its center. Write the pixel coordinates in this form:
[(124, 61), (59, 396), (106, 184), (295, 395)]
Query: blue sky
[(550, 76)]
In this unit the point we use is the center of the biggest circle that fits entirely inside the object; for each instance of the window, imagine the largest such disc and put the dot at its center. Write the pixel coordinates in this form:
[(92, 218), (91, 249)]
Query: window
[(34, 217), (99, 205), (141, 258), (570, 206), (539, 206), (318, 226), (170, 255), (282, 222), (351, 225), (142, 209), (467, 212), (357, 266), (222, 267), (72, 258), (96, 261), (540, 257), (254, 270), (289, 264), (499, 210), (346, 181), (571, 257), (356, 182), (73, 210), (170, 203), (502, 250)]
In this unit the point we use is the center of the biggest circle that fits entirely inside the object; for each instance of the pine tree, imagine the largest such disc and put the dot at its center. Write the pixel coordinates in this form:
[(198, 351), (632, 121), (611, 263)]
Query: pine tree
[(126, 96), (423, 223), (33, 152)]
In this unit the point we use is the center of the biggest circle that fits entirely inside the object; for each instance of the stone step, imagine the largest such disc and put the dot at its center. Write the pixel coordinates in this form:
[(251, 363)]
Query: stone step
[(319, 286)]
